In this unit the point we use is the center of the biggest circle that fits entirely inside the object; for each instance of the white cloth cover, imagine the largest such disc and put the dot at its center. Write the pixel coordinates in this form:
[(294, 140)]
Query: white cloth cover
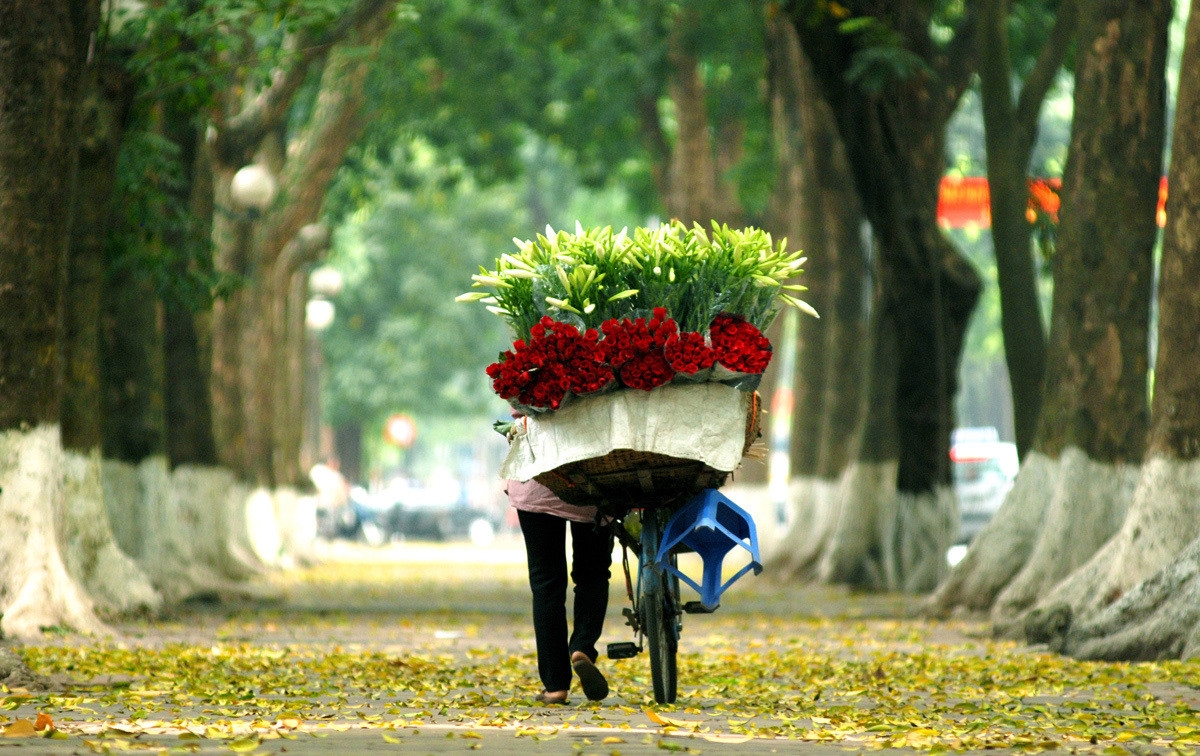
[(703, 421)]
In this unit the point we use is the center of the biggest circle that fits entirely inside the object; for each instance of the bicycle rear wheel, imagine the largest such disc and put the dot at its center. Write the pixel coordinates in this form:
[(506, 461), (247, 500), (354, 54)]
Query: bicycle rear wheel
[(659, 604)]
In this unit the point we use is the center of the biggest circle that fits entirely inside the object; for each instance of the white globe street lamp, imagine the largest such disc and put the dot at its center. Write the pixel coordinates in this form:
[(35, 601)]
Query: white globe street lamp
[(325, 281), (318, 314), (253, 188)]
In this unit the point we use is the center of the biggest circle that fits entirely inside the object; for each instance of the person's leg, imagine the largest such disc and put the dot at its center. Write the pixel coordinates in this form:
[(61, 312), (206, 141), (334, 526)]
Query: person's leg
[(545, 548), (592, 556)]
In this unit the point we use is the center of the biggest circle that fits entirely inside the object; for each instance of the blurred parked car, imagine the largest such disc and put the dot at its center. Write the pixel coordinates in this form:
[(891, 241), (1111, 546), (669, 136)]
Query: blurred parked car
[(984, 468), (406, 511)]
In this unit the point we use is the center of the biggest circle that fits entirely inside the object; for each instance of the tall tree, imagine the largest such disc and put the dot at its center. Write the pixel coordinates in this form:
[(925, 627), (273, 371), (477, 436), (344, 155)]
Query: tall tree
[(249, 345), (816, 205), (892, 88), (1075, 486), (1158, 612), (43, 53)]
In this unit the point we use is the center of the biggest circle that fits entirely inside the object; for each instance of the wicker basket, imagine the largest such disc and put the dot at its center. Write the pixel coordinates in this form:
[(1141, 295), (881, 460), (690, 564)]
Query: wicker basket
[(626, 478)]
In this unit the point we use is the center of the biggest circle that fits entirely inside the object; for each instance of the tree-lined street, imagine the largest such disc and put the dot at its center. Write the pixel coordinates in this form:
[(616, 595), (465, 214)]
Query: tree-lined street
[(232, 235)]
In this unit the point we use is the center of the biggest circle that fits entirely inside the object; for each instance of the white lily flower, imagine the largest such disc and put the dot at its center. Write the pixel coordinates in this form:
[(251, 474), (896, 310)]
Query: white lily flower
[(516, 262), (471, 296), (800, 304), (498, 310), (562, 305)]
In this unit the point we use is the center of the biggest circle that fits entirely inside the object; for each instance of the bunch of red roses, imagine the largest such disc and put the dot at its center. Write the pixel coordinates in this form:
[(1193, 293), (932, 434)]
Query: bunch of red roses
[(556, 360), (738, 344), (634, 348), (559, 360), (689, 352)]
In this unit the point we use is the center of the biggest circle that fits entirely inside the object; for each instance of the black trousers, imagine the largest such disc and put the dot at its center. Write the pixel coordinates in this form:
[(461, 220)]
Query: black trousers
[(546, 551)]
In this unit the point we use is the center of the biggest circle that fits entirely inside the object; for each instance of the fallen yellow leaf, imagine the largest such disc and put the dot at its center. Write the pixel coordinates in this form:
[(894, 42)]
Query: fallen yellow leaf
[(22, 728), (244, 745), (655, 717), (722, 737)]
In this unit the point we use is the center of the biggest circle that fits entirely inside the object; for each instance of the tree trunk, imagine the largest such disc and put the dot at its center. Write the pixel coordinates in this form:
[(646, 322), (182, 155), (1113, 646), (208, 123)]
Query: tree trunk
[(90, 552), (1157, 618), (1092, 431), (132, 367), (815, 208), (893, 131), (105, 104), (1011, 129), (188, 411), (42, 53), (806, 149), (348, 448)]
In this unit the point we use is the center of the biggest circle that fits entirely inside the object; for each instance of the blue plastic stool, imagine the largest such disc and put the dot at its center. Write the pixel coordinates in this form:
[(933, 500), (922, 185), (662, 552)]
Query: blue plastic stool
[(710, 525)]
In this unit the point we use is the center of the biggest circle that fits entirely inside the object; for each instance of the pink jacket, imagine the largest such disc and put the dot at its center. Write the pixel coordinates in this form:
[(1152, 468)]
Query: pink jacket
[(532, 496)]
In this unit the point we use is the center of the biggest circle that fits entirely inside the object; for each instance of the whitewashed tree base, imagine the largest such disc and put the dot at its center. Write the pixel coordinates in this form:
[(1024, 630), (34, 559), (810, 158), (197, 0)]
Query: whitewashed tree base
[(1003, 547), (114, 581), (1086, 506), (35, 589), (1163, 520), (815, 506), (191, 534), (852, 555), (859, 531), (1158, 619)]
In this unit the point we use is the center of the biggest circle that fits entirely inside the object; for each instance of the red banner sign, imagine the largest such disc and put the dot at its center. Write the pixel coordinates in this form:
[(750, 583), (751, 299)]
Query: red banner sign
[(966, 201)]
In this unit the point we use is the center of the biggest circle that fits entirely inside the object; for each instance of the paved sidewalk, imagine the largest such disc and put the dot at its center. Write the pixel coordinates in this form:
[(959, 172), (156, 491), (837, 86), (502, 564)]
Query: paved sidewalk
[(420, 648)]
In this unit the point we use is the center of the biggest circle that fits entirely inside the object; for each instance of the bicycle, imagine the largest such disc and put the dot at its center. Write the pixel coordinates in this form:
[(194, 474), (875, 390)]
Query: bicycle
[(658, 507), (656, 614)]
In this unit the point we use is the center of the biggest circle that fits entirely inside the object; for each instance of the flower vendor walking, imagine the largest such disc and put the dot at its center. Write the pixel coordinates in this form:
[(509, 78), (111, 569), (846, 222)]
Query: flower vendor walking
[(544, 520)]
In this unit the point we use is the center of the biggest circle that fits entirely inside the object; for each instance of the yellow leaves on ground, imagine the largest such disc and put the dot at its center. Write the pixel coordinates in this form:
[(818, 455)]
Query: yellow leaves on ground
[(22, 728), (862, 684), (42, 726)]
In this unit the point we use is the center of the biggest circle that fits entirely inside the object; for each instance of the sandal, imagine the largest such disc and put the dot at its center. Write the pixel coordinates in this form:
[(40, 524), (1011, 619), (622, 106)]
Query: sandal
[(595, 687)]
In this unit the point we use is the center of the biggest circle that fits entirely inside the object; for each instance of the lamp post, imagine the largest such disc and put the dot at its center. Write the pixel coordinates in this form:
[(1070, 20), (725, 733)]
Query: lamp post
[(323, 283)]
